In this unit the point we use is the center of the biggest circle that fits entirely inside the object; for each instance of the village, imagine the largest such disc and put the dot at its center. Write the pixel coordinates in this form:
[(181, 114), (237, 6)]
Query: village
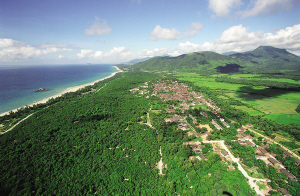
[(184, 99)]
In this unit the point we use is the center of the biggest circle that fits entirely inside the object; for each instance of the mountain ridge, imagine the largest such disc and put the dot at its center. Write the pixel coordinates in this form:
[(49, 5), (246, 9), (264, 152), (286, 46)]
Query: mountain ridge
[(264, 59)]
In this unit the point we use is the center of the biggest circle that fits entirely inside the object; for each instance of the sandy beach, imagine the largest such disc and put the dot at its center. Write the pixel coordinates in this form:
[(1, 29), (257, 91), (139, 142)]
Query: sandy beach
[(70, 89)]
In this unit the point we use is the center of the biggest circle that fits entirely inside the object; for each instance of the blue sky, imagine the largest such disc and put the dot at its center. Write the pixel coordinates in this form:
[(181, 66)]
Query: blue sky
[(114, 31)]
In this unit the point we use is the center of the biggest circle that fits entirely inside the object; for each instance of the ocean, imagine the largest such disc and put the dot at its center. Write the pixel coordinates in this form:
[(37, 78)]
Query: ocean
[(17, 84)]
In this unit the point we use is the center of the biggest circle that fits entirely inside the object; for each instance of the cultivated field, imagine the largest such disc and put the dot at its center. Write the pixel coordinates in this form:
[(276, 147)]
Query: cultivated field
[(274, 104)]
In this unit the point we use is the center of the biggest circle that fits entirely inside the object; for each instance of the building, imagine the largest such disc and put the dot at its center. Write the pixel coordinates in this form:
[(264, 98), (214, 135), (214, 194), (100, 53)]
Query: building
[(273, 161), (284, 192), (286, 153), (216, 149), (183, 126), (241, 129), (248, 143), (201, 157), (288, 174), (216, 125), (263, 151), (224, 153), (204, 114), (225, 124), (170, 111), (244, 134)]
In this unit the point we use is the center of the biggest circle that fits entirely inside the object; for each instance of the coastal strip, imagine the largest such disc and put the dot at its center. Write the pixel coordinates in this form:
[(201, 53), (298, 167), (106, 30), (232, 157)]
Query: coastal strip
[(70, 89)]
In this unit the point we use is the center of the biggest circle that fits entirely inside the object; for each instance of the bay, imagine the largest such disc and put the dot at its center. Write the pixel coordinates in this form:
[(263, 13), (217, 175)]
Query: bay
[(17, 84)]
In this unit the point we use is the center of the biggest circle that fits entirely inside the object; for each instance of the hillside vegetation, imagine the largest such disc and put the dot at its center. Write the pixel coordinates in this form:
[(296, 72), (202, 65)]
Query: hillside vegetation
[(264, 59)]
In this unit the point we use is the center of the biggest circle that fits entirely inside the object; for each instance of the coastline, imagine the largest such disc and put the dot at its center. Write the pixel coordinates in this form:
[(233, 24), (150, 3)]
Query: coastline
[(70, 89)]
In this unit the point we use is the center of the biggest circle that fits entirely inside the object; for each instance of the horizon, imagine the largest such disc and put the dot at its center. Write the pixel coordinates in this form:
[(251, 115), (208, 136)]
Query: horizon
[(106, 32)]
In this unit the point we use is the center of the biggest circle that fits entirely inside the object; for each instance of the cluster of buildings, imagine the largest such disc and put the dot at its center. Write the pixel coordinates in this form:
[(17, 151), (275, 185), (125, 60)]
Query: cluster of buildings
[(178, 91)]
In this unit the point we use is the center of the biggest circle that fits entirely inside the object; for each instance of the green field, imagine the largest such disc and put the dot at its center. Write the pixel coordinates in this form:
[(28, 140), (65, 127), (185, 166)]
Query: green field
[(250, 111), (275, 104), (284, 118)]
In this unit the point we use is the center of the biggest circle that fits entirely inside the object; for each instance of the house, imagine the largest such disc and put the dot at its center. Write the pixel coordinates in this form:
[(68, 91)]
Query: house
[(260, 154), (241, 129), (183, 126), (170, 111), (242, 142), (201, 147), (250, 125), (193, 133), (201, 157), (273, 161), (197, 151), (225, 124), (248, 143), (204, 114), (215, 113), (193, 146), (224, 153), (243, 134), (284, 192), (286, 153), (297, 160), (216, 149), (216, 125), (262, 150), (288, 174)]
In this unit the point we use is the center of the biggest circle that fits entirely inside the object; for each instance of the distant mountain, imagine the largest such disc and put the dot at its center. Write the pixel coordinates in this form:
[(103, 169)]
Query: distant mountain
[(198, 61), (229, 53), (264, 59), (269, 59), (137, 60)]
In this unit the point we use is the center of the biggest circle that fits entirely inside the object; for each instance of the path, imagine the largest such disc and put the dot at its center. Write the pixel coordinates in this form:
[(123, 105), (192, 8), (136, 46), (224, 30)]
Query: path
[(251, 180), (100, 88), (160, 163), (18, 123)]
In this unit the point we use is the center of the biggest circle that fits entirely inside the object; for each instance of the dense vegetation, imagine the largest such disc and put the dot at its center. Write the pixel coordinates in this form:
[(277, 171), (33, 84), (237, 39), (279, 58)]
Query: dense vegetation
[(81, 146), (92, 143)]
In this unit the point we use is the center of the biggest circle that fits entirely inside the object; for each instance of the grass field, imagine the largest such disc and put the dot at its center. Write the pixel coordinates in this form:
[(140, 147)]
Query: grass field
[(277, 105), (250, 111), (284, 118)]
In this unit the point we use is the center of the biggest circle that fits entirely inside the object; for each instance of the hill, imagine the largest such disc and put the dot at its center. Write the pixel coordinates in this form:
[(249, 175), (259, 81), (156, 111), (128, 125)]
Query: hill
[(264, 59), (269, 59), (193, 62)]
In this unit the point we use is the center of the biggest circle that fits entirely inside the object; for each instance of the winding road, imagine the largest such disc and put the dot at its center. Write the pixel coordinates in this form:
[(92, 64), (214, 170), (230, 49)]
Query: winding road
[(251, 180)]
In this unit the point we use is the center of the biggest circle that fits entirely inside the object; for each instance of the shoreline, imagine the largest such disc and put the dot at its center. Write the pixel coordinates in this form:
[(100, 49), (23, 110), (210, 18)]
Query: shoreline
[(70, 89)]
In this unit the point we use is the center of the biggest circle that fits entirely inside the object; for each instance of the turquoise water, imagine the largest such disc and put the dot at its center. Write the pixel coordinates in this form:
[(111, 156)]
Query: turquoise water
[(17, 83)]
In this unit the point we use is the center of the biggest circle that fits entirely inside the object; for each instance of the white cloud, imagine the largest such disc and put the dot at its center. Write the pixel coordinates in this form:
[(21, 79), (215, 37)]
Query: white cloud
[(193, 29), (61, 56), (97, 55), (267, 7), (240, 34), (223, 8), (239, 39), (83, 52), (152, 53), (236, 38), (228, 8), (100, 27), (164, 33), (12, 50)]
